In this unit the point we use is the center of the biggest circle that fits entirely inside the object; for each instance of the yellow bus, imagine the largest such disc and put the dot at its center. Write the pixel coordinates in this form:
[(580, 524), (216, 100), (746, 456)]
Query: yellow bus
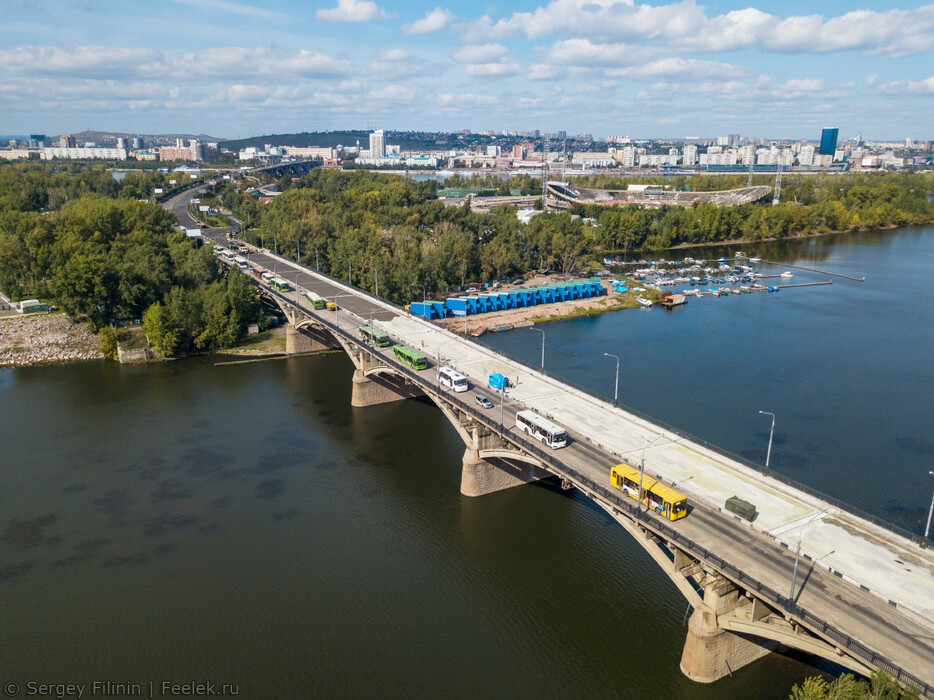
[(663, 499)]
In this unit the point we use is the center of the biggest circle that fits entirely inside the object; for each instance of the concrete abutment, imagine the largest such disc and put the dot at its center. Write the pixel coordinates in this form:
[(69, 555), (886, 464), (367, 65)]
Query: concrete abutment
[(711, 652), (480, 477)]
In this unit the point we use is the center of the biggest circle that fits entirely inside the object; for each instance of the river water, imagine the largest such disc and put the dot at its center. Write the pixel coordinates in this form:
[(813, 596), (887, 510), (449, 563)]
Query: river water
[(243, 524)]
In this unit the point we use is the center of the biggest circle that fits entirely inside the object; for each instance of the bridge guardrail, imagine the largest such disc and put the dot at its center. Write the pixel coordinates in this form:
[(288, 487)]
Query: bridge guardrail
[(745, 461), (658, 527)]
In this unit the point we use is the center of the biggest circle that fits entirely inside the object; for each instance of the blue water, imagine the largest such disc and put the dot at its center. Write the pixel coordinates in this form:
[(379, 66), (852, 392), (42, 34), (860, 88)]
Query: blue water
[(846, 368)]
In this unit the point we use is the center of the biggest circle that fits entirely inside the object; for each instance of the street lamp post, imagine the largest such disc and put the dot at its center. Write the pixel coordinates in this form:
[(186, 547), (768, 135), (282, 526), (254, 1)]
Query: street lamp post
[(502, 403), (616, 385), (543, 344), (771, 433), (642, 468), (794, 573), (930, 512)]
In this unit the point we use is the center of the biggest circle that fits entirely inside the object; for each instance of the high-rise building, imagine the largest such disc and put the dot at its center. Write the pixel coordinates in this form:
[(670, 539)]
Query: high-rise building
[(828, 140), (377, 144), (66, 141), (690, 154)]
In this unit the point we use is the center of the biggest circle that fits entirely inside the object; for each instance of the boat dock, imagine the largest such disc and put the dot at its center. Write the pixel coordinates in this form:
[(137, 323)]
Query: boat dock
[(804, 284), (812, 269)]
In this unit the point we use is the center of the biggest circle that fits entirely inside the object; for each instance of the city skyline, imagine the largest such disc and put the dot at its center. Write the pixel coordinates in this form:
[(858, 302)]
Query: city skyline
[(644, 70)]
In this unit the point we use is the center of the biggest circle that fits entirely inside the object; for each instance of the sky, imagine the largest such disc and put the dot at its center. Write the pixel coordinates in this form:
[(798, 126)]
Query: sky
[(236, 69)]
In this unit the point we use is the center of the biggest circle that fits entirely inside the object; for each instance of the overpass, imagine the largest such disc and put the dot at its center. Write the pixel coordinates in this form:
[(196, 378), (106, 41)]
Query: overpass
[(858, 595)]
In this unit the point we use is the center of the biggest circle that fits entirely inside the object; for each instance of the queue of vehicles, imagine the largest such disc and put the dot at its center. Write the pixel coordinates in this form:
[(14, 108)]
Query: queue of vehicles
[(655, 495)]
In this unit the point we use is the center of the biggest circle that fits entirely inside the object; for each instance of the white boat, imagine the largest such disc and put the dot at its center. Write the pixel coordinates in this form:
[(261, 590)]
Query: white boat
[(786, 275), (645, 302), (755, 260)]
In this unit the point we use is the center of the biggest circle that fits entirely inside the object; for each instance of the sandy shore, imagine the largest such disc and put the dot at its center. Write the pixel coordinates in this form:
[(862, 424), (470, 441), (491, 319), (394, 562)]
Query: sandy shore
[(37, 339)]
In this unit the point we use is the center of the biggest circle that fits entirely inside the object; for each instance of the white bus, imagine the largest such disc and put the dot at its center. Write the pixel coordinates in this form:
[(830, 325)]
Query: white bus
[(452, 380), (542, 429), (241, 262)]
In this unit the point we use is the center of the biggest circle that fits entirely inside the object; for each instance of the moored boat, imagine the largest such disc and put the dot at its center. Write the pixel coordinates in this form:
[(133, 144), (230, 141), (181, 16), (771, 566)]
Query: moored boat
[(645, 302), (478, 331)]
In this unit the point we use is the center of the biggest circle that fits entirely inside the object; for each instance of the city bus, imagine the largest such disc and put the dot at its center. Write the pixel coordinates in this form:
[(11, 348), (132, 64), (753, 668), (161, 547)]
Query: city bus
[(661, 498), (373, 335), (257, 271), (281, 285), (452, 380), (315, 300), (542, 429), (410, 357)]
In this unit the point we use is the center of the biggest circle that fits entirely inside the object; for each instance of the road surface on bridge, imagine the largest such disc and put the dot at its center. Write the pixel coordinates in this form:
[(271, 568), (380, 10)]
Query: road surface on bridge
[(852, 569)]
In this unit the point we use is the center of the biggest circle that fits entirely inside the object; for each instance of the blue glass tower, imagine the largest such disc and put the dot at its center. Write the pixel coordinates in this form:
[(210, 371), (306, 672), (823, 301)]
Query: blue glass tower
[(828, 141)]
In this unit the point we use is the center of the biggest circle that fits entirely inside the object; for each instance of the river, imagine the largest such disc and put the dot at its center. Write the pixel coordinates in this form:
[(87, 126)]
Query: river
[(243, 524)]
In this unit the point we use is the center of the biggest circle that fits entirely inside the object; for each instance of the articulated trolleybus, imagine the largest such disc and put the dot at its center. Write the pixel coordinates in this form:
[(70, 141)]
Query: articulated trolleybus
[(452, 380), (542, 429), (410, 357), (663, 499)]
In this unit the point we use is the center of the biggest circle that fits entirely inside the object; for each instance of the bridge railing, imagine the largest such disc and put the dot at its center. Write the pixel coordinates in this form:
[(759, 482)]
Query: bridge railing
[(659, 527), (745, 461), (778, 476), (854, 647)]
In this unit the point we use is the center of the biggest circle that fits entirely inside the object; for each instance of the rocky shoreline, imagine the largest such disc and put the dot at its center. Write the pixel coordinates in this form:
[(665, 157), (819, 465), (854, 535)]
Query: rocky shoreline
[(38, 339)]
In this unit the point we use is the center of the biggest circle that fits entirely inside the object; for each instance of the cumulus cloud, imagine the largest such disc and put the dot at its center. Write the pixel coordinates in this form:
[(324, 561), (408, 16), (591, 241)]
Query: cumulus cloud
[(459, 98), (479, 53), (578, 52), (685, 26), (677, 68), (908, 87), (352, 11), (486, 70), (392, 93), (434, 21), (127, 63), (87, 61), (542, 71)]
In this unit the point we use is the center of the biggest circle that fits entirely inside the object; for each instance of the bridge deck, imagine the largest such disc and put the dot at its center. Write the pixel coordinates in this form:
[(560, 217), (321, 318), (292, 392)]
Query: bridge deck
[(874, 585)]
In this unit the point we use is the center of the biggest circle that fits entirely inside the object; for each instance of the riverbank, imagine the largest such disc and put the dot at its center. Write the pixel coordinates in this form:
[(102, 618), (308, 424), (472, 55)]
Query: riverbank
[(545, 313), (38, 339)]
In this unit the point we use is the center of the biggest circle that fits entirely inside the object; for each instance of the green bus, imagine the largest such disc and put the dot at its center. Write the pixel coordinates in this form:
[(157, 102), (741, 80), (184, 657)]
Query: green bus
[(281, 285), (371, 334), (410, 357), (316, 300)]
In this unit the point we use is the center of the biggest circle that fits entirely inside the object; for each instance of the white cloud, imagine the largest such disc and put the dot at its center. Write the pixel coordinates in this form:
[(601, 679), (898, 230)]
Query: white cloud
[(907, 87), (497, 69), (392, 93), (87, 61), (113, 62), (479, 53), (458, 98), (542, 71), (678, 68), (434, 21), (577, 52), (352, 11), (685, 25)]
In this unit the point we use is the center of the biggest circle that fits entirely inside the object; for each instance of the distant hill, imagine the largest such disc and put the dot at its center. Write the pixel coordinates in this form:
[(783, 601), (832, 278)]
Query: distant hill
[(303, 140), (111, 136)]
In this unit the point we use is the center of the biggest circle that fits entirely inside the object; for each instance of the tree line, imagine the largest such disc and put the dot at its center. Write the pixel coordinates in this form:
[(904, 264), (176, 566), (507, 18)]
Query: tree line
[(393, 235), (104, 256)]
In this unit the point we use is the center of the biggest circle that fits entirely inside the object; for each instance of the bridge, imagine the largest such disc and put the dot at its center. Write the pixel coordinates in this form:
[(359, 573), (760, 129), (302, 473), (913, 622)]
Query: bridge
[(294, 168), (851, 591)]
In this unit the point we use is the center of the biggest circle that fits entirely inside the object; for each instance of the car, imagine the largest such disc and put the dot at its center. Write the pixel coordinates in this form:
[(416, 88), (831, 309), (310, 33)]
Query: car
[(483, 401)]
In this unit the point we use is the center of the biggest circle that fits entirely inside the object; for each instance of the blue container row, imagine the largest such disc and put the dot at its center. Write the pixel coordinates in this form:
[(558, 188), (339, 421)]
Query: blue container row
[(500, 301)]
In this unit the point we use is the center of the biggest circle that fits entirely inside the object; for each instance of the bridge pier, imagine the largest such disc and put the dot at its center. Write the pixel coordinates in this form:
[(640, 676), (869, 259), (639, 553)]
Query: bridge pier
[(298, 341), (480, 476), (371, 391), (710, 651)]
